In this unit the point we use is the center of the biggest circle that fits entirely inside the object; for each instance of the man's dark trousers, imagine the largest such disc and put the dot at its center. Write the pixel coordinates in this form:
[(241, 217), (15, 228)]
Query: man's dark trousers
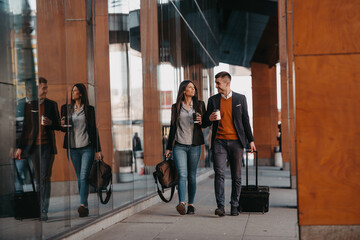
[(42, 160), (230, 150)]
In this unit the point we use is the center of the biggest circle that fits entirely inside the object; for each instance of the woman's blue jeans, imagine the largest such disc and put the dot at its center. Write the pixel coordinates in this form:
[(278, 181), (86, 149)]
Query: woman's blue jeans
[(82, 159), (186, 159)]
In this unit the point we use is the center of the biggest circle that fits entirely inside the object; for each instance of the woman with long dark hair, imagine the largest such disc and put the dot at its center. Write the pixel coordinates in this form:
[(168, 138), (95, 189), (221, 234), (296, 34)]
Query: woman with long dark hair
[(82, 138), (185, 140)]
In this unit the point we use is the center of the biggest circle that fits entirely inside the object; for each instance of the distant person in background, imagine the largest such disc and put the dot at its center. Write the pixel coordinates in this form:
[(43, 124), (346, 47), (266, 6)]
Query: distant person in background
[(279, 136), (136, 147), (82, 138), (41, 118), (136, 143), (185, 140)]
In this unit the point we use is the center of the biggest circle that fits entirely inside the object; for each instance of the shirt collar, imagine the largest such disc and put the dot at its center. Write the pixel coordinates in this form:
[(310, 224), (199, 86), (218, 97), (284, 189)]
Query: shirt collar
[(228, 96), (191, 105), (81, 108)]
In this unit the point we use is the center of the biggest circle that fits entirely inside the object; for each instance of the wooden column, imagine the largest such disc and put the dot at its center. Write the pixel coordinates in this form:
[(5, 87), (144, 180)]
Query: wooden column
[(291, 91), (285, 146), (287, 88), (65, 58), (151, 95), (327, 77), (265, 111), (52, 65), (102, 79)]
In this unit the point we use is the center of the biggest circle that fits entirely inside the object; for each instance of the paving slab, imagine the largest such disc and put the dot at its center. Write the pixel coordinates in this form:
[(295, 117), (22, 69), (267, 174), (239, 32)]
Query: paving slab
[(161, 221)]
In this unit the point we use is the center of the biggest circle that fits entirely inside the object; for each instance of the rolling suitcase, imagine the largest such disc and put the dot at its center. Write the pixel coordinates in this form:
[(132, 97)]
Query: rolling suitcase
[(26, 204), (253, 198)]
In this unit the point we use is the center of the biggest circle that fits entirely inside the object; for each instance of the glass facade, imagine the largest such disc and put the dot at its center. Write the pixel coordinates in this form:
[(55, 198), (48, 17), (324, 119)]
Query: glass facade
[(131, 56)]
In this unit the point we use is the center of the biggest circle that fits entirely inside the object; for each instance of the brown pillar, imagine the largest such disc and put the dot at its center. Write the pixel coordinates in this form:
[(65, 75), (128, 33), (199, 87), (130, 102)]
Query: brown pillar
[(52, 64), (66, 44), (327, 77), (151, 95), (287, 88), (264, 111), (102, 79), (285, 147), (291, 91)]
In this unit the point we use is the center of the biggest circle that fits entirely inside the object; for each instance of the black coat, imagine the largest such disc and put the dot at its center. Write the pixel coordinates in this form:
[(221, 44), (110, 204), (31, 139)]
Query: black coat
[(240, 117), (91, 128), (198, 137), (32, 121)]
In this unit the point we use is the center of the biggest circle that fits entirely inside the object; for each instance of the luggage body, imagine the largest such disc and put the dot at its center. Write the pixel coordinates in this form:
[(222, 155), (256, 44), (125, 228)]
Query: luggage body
[(26, 204), (254, 198)]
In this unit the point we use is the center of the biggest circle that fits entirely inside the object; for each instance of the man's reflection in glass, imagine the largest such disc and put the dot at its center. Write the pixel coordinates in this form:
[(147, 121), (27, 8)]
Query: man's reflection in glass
[(31, 95), (37, 141)]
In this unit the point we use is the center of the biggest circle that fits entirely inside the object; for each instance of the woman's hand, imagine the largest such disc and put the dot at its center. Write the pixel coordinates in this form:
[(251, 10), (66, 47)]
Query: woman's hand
[(62, 122), (198, 118), (167, 153), (99, 156)]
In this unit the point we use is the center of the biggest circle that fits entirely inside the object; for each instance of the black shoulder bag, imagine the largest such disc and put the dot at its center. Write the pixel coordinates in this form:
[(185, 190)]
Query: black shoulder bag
[(100, 178), (165, 174)]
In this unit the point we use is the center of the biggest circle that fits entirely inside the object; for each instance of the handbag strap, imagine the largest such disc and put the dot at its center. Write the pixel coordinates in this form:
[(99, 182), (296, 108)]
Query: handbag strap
[(108, 194), (160, 192)]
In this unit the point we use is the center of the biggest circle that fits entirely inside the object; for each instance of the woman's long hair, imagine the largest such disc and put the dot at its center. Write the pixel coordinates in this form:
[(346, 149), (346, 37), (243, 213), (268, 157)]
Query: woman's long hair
[(83, 96), (181, 97)]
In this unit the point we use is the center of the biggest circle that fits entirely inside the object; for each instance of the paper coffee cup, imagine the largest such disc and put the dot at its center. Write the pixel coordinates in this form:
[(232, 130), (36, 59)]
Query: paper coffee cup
[(217, 114), (195, 117)]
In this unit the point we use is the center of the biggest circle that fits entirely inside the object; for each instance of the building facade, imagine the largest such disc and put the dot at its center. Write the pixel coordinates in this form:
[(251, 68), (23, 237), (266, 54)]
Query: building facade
[(131, 64), (132, 55)]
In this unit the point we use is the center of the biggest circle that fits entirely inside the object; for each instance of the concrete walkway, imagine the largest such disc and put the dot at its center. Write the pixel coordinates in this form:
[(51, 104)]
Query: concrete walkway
[(161, 221)]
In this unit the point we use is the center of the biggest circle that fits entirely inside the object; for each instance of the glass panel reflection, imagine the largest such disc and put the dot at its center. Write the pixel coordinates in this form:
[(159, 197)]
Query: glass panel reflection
[(52, 40), (17, 67), (121, 55)]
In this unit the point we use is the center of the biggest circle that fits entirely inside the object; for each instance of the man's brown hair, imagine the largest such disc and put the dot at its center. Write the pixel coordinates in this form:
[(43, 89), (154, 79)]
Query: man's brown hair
[(222, 75), (42, 80)]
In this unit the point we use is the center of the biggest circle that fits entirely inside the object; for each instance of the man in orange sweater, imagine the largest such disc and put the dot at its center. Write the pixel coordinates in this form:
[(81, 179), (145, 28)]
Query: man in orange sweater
[(37, 141), (228, 139)]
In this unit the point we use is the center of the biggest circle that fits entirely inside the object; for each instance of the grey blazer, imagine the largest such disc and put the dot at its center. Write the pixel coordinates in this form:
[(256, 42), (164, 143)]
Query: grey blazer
[(240, 117)]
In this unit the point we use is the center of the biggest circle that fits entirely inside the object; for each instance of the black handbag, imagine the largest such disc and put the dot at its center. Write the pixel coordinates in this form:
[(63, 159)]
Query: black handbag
[(26, 204), (166, 174), (100, 178)]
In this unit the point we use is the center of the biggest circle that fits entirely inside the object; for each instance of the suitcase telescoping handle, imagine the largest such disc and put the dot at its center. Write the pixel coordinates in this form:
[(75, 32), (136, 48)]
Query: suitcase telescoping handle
[(247, 167)]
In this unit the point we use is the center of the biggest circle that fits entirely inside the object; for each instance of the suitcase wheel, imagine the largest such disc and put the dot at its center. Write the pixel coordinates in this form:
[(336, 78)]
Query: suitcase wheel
[(264, 209)]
